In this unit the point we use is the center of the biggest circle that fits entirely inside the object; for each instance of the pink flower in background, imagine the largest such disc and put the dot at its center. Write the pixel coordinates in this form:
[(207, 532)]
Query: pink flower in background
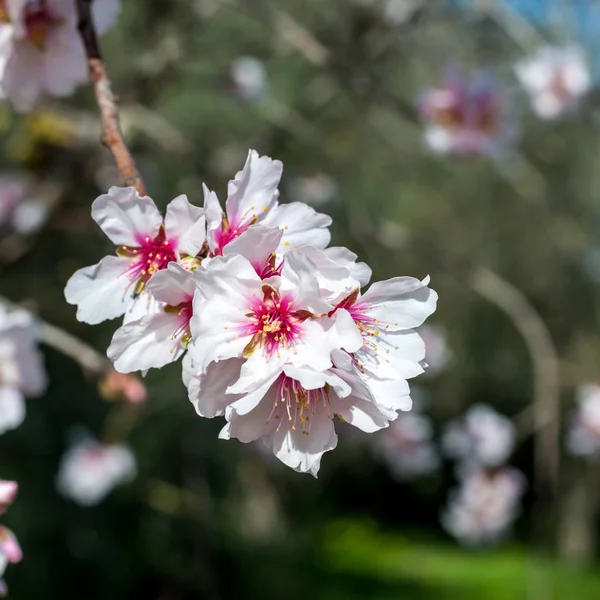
[(485, 505), (482, 437), (10, 551), (555, 78), (21, 368), (40, 48), (90, 470), (11, 194), (584, 435), (407, 447), (147, 244), (465, 116)]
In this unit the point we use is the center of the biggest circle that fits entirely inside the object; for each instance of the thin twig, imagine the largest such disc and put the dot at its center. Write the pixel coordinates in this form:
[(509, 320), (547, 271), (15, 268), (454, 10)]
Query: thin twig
[(109, 114)]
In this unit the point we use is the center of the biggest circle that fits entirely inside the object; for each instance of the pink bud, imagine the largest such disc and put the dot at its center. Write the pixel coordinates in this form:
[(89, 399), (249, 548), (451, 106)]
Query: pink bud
[(123, 385), (9, 545)]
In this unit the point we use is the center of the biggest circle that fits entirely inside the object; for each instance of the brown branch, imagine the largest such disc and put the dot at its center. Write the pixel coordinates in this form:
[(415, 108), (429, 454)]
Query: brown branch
[(112, 136)]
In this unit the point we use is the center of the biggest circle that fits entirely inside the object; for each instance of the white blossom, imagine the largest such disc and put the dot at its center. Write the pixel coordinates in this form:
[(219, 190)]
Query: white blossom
[(41, 51), (21, 369), (485, 505), (249, 77), (146, 242), (90, 470), (252, 198), (407, 447), (482, 437), (584, 433), (555, 78)]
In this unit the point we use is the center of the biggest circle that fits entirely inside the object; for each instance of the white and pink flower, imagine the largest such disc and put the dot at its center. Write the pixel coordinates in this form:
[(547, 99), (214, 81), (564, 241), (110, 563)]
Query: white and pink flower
[(555, 78), (465, 116), (584, 434), (41, 51), (90, 470), (483, 437), (481, 511), (146, 242), (21, 367), (252, 198)]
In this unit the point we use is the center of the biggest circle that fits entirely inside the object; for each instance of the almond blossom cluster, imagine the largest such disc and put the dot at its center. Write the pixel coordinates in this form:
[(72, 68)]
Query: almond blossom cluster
[(10, 551), (274, 328), (41, 50)]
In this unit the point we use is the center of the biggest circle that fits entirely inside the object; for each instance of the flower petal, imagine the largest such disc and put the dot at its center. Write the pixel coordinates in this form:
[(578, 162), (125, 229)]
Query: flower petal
[(173, 285), (253, 191), (126, 217), (101, 291), (256, 244), (12, 408), (185, 223), (302, 226)]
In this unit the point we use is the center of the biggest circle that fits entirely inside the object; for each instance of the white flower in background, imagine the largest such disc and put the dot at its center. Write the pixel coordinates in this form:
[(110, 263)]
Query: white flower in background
[(21, 367), (584, 434), (249, 77), (555, 79), (407, 447), (482, 437), (485, 506), (147, 244), (316, 189), (11, 195), (41, 51), (90, 470), (10, 551), (437, 353), (251, 199)]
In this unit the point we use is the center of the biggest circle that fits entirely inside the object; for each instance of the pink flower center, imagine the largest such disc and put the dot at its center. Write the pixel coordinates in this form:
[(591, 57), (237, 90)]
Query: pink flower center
[(297, 405), (150, 256), (39, 20), (274, 323)]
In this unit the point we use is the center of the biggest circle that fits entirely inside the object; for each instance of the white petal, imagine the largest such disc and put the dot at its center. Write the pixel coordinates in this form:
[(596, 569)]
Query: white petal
[(301, 224), (146, 344), (360, 413), (64, 63), (397, 355), (214, 215), (207, 391), (343, 257), (12, 408), (253, 191), (173, 285), (400, 303), (256, 244), (101, 291), (253, 392), (126, 217), (252, 425), (303, 452), (185, 223), (23, 75)]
